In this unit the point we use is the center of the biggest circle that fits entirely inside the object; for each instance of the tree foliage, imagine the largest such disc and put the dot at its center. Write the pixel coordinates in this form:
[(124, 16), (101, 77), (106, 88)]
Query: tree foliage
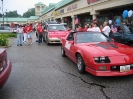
[(30, 12), (12, 14)]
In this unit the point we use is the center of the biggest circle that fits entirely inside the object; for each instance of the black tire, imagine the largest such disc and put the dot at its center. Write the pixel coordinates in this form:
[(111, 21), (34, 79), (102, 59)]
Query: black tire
[(62, 51), (80, 64)]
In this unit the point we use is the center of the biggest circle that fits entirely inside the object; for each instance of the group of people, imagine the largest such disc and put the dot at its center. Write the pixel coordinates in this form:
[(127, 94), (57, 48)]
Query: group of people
[(94, 27), (24, 33)]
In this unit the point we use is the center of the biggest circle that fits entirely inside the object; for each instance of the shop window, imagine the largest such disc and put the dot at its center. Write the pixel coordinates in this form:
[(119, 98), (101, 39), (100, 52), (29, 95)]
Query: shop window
[(48, 19), (42, 7), (52, 19)]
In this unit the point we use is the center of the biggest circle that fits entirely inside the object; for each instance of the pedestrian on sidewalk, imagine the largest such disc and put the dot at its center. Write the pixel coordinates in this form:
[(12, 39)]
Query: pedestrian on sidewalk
[(19, 35), (29, 33), (40, 32), (36, 26), (25, 34)]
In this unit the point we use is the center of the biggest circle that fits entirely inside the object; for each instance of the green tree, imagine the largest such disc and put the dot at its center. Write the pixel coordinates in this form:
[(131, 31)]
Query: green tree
[(30, 12), (0, 15), (12, 14)]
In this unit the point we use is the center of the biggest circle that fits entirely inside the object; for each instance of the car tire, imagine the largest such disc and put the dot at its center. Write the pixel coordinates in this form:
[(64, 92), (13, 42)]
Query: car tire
[(80, 64), (62, 51)]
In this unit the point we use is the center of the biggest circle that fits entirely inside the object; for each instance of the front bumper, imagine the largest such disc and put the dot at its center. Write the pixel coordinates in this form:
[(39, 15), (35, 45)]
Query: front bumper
[(108, 72), (53, 40), (5, 74)]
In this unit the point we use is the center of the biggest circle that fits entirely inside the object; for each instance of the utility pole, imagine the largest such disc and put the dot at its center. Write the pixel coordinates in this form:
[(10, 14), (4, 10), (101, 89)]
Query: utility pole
[(2, 12), (6, 16)]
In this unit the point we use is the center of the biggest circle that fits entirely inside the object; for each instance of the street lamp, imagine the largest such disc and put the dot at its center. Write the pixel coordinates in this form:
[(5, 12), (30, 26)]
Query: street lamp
[(2, 12)]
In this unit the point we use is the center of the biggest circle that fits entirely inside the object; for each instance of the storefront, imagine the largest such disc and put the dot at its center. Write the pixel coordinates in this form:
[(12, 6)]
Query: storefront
[(113, 14), (87, 10)]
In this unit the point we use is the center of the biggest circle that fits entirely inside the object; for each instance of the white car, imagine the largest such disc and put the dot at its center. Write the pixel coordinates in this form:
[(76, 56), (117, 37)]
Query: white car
[(4, 29)]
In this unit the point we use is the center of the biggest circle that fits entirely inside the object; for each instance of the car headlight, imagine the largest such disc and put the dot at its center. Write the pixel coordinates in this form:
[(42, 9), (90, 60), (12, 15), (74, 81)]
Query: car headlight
[(103, 59)]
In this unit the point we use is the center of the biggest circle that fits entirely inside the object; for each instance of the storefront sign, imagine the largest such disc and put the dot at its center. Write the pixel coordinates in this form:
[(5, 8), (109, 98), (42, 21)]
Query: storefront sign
[(72, 7), (91, 1), (56, 13)]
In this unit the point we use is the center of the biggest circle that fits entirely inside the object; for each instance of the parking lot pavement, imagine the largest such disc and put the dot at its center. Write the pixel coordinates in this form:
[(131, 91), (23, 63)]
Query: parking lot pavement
[(40, 72)]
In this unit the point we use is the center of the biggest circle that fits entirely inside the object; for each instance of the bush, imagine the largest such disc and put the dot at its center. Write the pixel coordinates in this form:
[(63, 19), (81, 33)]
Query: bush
[(9, 34), (4, 40)]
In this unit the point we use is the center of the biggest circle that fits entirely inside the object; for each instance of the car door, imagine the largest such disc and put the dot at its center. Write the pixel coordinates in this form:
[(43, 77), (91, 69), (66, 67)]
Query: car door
[(69, 45)]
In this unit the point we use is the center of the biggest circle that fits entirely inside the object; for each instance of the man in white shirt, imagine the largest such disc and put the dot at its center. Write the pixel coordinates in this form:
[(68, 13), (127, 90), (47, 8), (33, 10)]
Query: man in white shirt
[(106, 29)]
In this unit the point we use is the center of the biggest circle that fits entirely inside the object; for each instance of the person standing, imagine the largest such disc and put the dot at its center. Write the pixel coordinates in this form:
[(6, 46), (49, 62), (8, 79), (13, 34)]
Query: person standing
[(106, 29), (40, 32), (36, 26), (95, 28), (79, 29), (19, 35), (29, 33), (85, 28), (101, 28), (25, 34)]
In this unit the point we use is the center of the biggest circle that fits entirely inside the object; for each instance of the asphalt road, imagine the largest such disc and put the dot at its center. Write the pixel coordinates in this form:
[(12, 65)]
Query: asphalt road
[(40, 72)]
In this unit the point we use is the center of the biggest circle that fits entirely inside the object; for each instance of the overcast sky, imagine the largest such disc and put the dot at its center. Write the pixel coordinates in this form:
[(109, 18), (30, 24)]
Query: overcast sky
[(22, 5)]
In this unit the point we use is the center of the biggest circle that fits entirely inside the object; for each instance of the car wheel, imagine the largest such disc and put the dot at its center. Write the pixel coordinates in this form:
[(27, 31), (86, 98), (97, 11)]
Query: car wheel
[(62, 51), (80, 64), (46, 40)]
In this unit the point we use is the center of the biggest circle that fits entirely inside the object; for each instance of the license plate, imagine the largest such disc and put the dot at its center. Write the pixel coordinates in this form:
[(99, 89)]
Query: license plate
[(125, 68)]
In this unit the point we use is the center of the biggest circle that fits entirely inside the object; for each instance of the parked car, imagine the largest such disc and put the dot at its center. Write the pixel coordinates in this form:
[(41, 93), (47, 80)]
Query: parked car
[(5, 67), (54, 32), (123, 35), (97, 54), (4, 29), (49, 22)]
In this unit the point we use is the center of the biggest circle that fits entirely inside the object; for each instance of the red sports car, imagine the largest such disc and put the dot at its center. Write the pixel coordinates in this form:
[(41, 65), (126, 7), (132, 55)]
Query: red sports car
[(5, 67), (97, 54)]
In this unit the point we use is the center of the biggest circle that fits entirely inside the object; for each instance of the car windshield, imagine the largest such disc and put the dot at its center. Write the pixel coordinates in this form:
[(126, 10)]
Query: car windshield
[(88, 37), (56, 27), (126, 29)]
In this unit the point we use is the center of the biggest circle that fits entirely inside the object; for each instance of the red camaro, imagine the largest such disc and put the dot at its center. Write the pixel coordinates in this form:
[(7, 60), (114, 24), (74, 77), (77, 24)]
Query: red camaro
[(5, 67), (97, 54)]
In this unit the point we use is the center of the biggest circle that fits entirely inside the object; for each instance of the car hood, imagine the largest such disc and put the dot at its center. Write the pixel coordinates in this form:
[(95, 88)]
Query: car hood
[(107, 49), (57, 34)]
